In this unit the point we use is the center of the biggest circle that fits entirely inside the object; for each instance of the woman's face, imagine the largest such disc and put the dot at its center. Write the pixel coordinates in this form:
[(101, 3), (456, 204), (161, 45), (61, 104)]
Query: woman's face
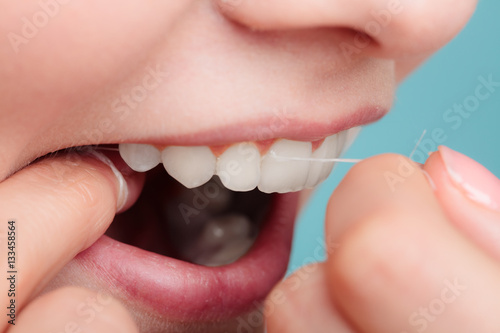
[(203, 73)]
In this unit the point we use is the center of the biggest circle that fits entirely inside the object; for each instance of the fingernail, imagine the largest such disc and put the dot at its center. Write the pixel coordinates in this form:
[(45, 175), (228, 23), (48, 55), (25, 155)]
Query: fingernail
[(122, 183), (476, 182)]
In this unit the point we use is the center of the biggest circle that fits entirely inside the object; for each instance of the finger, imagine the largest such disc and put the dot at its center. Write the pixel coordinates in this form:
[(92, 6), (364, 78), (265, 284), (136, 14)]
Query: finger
[(59, 206), (301, 303), (401, 266), (73, 309), (469, 195)]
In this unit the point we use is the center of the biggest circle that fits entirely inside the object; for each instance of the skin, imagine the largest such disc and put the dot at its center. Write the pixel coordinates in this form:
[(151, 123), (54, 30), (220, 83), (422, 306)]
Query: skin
[(58, 90), (389, 258)]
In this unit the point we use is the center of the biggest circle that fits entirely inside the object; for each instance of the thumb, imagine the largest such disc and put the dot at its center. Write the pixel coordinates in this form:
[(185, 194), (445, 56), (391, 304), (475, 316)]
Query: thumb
[(470, 196), (301, 303)]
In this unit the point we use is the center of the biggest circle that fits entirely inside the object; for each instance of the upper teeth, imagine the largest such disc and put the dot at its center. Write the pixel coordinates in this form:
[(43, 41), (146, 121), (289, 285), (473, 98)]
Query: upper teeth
[(319, 171), (139, 157), (241, 167), (190, 166), (281, 175)]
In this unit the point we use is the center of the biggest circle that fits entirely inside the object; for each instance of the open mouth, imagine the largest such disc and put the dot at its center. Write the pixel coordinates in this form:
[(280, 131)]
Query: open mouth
[(210, 234)]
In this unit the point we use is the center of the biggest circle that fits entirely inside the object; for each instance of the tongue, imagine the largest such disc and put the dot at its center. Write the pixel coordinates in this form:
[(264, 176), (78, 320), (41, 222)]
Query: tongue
[(222, 224), (223, 240)]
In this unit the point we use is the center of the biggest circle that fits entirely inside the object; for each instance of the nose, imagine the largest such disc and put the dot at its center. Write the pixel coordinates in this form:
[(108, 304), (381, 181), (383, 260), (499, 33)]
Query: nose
[(382, 28)]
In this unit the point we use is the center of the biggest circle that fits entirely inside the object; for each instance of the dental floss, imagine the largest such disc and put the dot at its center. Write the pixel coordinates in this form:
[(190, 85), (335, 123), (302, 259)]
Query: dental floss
[(418, 144), (339, 160), (122, 183), (325, 160)]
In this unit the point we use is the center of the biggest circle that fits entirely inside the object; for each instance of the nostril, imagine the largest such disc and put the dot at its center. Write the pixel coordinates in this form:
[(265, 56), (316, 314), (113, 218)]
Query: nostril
[(390, 29)]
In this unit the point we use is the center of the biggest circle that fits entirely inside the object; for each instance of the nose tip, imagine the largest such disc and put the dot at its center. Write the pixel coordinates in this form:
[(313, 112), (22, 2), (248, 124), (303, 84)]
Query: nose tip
[(396, 28)]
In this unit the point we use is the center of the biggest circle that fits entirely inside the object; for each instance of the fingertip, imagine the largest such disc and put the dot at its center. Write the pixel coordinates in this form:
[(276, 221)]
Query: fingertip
[(127, 182), (468, 201), (371, 183)]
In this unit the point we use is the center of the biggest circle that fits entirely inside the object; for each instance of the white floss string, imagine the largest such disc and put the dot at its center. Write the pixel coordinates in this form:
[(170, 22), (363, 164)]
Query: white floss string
[(338, 160), (325, 160), (343, 160), (418, 144)]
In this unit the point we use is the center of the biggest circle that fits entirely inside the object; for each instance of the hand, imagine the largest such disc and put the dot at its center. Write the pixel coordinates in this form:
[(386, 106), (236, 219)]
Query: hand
[(59, 207), (409, 250)]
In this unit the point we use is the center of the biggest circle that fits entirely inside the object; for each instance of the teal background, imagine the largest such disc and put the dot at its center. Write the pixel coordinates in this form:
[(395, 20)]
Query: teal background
[(447, 78)]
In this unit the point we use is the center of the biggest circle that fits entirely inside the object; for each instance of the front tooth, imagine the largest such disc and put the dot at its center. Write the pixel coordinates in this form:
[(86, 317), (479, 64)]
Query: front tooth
[(239, 167), (190, 166), (350, 135), (281, 175), (319, 170), (139, 157)]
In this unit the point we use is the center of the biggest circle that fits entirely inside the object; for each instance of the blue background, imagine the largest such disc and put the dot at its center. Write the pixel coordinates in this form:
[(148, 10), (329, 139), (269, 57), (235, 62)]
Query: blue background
[(449, 77)]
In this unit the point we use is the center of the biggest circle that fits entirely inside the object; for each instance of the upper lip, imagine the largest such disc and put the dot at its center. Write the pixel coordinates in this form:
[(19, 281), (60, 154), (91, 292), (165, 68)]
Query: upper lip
[(277, 125)]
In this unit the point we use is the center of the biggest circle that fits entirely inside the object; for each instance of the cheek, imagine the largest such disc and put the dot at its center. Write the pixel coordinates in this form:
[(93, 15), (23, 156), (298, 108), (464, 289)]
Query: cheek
[(59, 52)]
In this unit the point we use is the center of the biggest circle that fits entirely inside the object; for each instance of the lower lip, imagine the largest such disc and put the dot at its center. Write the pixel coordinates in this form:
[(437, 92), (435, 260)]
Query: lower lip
[(184, 291)]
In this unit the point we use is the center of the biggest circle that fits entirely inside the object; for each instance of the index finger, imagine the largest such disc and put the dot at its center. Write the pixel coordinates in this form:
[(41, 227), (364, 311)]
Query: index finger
[(49, 212)]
